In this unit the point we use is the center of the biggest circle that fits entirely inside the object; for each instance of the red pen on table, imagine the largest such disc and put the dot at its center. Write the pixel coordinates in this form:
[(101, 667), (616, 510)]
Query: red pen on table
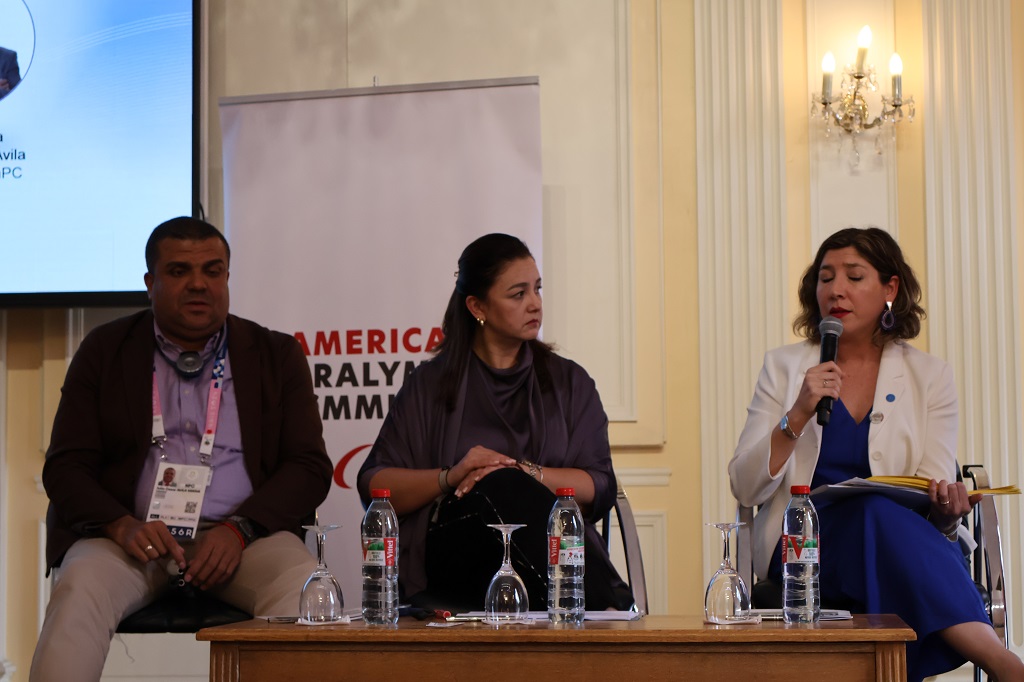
[(442, 613)]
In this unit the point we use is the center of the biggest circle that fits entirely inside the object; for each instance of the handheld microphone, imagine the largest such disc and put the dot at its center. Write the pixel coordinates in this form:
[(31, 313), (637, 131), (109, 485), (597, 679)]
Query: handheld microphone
[(831, 328)]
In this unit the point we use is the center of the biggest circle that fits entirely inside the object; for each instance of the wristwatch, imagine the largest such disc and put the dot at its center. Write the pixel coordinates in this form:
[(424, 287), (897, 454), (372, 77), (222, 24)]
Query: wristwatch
[(787, 429), (246, 527)]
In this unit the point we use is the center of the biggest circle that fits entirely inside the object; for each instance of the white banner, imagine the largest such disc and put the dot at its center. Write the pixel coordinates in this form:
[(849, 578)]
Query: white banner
[(346, 212)]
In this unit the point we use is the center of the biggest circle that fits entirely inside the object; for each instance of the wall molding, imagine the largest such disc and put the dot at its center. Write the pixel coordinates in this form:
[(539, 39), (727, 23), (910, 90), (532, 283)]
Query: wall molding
[(643, 477)]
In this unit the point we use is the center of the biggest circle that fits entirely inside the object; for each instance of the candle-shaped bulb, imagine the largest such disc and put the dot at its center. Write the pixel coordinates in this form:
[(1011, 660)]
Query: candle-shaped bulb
[(828, 63), (828, 67), (896, 69), (896, 64), (863, 43)]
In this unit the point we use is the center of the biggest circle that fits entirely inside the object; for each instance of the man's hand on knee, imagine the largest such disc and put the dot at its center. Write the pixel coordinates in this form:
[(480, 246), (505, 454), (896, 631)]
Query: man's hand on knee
[(217, 556), (145, 541)]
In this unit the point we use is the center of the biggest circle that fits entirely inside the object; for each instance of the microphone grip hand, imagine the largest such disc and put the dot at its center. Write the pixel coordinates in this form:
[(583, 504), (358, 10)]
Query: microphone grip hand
[(824, 410)]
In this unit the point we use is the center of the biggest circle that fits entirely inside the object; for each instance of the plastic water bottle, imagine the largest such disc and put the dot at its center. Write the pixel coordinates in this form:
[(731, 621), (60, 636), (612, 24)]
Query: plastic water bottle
[(380, 561), (801, 599), (566, 596)]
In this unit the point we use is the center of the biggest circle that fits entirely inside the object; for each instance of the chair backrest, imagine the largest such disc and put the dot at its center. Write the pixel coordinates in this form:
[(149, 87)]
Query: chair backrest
[(987, 560), (631, 546)]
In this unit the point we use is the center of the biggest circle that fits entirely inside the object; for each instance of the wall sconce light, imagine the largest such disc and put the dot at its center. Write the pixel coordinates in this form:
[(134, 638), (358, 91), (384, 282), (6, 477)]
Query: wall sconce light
[(848, 111)]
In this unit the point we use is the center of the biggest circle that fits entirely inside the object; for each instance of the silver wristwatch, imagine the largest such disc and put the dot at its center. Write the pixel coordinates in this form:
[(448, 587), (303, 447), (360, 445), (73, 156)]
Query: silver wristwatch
[(787, 429)]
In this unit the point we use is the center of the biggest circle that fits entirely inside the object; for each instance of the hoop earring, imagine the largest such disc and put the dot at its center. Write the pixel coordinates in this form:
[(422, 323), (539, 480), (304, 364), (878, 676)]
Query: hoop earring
[(480, 320), (888, 320)]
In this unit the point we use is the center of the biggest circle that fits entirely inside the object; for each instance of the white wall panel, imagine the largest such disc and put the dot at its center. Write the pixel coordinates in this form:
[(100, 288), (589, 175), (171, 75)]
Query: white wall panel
[(843, 195)]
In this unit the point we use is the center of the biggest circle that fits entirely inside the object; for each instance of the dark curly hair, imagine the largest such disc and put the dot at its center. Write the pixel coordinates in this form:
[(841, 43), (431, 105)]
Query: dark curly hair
[(878, 248)]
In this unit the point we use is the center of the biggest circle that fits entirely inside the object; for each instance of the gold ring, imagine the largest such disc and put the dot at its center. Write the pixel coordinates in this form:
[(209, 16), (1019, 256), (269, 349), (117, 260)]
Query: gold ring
[(825, 383), (943, 501), (148, 547)]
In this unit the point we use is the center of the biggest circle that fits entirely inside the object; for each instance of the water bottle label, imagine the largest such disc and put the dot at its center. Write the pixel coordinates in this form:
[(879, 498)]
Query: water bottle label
[(800, 550), (380, 551), (565, 550)]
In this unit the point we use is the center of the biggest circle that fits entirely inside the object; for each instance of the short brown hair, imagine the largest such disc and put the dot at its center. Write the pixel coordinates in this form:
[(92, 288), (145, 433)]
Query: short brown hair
[(878, 248)]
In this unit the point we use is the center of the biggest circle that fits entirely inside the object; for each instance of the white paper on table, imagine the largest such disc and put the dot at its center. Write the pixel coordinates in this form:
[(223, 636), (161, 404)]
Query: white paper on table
[(543, 615), (826, 614)]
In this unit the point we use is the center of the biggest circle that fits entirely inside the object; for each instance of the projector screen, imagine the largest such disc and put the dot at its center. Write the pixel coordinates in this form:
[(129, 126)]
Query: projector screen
[(98, 144)]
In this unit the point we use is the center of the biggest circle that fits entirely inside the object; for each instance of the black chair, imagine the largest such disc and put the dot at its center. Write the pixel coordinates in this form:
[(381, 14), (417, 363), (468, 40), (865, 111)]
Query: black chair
[(181, 609), (630, 544), (986, 560)]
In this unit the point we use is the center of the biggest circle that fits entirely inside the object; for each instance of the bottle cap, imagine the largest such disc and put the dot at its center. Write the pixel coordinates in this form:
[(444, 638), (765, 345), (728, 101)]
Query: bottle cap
[(380, 492), (800, 490), (565, 492)]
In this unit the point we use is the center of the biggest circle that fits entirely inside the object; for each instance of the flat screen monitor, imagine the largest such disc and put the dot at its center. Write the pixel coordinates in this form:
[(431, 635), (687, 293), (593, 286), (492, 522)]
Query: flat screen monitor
[(98, 144)]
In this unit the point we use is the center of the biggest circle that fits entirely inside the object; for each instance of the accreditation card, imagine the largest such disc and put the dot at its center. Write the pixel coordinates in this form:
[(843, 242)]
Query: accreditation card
[(178, 497)]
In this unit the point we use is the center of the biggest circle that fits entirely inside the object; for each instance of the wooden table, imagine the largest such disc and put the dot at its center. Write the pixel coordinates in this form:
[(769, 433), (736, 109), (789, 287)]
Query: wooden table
[(870, 647)]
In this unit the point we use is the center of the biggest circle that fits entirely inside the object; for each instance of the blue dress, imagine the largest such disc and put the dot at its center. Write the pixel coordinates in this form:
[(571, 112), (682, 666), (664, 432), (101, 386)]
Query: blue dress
[(880, 557)]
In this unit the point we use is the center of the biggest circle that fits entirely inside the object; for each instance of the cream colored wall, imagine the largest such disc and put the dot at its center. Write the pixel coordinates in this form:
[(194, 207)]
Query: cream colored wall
[(35, 364), (681, 452)]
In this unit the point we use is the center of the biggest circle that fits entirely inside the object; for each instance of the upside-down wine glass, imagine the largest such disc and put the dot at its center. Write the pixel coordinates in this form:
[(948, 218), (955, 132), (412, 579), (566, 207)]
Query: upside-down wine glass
[(727, 599), (321, 600), (507, 600)]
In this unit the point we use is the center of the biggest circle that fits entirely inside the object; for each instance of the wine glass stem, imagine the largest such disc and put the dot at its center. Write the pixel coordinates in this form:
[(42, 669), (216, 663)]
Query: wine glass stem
[(507, 539), (321, 539), (725, 548)]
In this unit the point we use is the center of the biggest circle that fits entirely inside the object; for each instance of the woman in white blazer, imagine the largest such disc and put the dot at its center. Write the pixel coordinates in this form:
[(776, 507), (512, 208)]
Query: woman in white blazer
[(895, 413)]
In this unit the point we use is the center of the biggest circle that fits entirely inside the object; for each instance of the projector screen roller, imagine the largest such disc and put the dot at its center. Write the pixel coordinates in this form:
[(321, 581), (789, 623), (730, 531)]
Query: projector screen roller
[(98, 144)]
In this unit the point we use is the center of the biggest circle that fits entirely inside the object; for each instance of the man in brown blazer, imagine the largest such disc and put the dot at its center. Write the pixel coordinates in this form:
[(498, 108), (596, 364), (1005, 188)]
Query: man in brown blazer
[(183, 384)]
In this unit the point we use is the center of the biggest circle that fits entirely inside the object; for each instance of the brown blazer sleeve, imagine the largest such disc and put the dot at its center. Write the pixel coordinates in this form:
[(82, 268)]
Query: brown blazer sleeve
[(282, 434)]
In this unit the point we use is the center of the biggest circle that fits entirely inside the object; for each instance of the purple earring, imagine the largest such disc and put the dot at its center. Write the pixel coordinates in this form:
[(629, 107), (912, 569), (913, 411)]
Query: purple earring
[(888, 319)]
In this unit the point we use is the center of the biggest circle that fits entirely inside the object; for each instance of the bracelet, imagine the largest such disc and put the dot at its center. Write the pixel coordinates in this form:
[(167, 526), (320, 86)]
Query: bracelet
[(231, 526), (787, 429), (534, 469), (442, 480)]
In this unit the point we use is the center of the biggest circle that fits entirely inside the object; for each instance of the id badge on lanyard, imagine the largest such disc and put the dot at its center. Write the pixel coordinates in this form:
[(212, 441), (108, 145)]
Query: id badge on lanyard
[(177, 498), (178, 490)]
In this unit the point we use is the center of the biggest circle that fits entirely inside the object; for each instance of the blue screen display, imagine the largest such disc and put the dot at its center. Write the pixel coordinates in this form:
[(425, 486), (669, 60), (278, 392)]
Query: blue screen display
[(96, 139)]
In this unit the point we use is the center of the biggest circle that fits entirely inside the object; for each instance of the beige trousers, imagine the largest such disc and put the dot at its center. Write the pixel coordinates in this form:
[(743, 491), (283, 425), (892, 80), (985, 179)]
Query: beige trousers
[(98, 584)]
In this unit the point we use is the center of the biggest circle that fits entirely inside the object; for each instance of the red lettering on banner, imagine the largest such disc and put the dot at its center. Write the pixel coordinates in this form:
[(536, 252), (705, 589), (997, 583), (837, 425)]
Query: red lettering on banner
[(354, 342), (375, 341), (407, 343), (370, 341), (324, 344), (435, 338)]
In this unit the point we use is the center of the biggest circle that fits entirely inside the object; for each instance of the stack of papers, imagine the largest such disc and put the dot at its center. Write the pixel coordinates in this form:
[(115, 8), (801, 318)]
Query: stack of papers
[(921, 483), (910, 491)]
